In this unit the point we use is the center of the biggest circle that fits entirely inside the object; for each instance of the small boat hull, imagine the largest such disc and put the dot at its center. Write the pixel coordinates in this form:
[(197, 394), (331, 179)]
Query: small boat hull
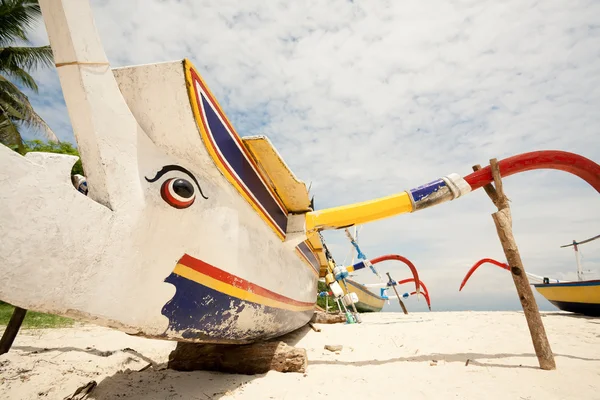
[(580, 297), (367, 300)]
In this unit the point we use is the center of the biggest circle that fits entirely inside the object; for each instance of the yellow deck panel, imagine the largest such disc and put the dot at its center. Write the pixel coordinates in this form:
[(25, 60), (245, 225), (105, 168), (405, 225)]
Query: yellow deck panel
[(291, 191)]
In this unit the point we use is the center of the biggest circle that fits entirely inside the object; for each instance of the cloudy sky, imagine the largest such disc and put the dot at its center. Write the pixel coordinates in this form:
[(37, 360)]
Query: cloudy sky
[(368, 98)]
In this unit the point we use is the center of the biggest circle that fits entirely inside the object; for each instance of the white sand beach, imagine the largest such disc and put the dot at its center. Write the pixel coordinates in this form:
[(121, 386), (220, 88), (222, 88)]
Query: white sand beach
[(416, 356)]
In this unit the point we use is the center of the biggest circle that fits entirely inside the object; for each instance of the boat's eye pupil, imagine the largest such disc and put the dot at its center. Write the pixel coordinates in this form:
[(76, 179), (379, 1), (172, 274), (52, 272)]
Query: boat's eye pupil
[(178, 192), (183, 188)]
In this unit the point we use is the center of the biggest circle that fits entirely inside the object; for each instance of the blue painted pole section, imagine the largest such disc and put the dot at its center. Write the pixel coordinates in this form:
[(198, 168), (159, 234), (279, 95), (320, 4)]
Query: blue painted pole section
[(421, 192)]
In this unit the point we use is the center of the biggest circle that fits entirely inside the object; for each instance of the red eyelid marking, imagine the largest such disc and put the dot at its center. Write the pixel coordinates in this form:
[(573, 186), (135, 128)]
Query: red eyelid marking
[(170, 199)]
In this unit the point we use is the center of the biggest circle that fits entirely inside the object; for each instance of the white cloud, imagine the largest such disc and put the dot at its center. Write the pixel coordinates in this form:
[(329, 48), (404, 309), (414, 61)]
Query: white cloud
[(365, 99)]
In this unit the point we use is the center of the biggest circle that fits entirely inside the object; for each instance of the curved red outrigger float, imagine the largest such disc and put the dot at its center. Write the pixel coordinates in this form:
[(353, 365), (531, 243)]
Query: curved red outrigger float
[(396, 257), (477, 265), (424, 292), (575, 164), (406, 261)]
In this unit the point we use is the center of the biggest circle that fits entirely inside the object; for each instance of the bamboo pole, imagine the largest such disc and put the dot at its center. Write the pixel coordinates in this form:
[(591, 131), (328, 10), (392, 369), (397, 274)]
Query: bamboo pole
[(503, 221)]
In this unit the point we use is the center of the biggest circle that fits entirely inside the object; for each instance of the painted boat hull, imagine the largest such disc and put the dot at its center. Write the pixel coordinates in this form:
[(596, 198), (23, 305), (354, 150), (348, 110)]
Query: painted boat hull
[(217, 271), (367, 300), (580, 297)]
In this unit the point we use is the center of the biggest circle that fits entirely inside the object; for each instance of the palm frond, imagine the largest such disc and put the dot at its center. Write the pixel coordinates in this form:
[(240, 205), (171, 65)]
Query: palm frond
[(9, 134), (25, 57), (16, 16), (21, 76), (9, 107), (19, 101)]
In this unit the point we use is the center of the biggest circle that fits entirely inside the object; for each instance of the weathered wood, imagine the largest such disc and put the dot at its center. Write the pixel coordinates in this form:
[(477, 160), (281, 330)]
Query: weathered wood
[(398, 296), (12, 329), (313, 327), (255, 358), (502, 200), (320, 317), (503, 221), (489, 188)]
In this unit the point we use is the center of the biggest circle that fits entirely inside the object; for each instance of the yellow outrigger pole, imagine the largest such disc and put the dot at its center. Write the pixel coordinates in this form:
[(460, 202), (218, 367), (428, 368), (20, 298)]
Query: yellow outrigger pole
[(441, 190)]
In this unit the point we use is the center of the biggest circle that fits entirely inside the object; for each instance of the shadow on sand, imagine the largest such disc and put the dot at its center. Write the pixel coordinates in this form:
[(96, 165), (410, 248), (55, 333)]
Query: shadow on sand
[(156, 381), (457, 357), (594, 320)]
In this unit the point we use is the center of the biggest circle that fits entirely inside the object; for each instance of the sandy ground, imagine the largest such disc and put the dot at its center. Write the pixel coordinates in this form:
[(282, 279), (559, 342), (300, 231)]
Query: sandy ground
[(416, 356)]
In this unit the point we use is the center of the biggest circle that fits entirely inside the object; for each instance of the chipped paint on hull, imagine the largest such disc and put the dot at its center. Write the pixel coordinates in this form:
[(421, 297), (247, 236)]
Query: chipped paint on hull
[(199, 313)]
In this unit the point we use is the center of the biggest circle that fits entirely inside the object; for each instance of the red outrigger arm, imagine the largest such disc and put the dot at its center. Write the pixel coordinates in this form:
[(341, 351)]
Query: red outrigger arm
[(406, 261), (477, 264), (575, 164), (425, 292)]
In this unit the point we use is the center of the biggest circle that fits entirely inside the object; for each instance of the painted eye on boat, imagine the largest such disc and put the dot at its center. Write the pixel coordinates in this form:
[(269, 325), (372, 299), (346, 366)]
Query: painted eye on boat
[(178, 193)]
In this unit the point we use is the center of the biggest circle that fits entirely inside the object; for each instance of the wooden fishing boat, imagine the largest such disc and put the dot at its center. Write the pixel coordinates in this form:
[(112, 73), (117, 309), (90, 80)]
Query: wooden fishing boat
[(367, 300), (188, 231), (580, 297)]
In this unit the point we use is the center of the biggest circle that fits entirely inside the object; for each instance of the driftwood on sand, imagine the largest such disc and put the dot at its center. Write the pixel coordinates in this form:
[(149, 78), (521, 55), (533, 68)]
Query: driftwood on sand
[(321, 317), (255, 358)]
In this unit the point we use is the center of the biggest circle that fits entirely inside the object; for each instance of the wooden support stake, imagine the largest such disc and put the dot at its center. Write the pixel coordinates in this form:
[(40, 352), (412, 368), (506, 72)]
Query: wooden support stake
[(503, 221), (397, 295), (250, 359), (12, 329)]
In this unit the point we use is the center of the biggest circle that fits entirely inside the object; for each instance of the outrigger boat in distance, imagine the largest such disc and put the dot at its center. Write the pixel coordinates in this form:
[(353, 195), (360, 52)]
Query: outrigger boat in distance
[(188, 231), (579, 297)]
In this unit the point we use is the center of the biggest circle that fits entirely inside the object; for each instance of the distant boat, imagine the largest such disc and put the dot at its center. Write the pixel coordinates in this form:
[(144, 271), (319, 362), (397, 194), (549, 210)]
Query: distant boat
[(580, 296), (367, 300)]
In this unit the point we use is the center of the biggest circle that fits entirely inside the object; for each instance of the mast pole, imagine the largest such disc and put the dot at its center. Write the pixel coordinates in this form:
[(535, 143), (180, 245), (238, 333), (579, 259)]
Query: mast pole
[(579, 270)]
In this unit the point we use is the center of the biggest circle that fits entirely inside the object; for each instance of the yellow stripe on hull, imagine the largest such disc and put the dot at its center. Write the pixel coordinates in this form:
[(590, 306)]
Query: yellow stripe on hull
[(571, 294), (233, 291)]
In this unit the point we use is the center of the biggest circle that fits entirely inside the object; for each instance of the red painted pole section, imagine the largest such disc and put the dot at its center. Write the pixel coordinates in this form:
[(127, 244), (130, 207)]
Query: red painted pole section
[(575, 164), (425, 292), (405, 260), (477, 264)]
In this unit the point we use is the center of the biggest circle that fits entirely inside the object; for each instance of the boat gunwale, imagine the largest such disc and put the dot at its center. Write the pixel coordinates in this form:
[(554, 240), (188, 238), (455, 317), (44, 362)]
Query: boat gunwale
[(593, 282)]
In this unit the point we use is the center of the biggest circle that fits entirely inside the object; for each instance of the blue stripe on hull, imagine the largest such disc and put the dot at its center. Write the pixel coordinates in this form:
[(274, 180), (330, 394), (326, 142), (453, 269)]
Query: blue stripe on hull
[(199, 313), (231, 151), (589, 309), (310, 256), (569, 284)]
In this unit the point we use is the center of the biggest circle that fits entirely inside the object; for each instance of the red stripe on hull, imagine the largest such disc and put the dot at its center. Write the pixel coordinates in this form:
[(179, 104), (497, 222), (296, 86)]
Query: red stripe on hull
[(220, 275)]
